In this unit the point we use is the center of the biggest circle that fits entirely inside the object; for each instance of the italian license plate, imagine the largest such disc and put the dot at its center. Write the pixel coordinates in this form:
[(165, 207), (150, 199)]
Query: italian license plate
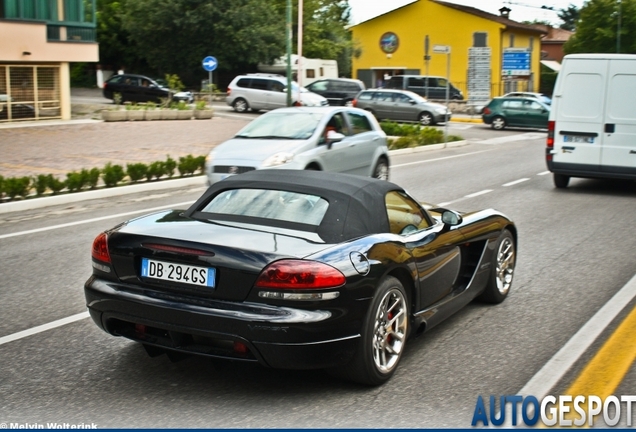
[(578, 139), (193, 275)]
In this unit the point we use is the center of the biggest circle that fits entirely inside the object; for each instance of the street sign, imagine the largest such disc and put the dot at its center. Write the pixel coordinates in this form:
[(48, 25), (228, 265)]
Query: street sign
[(441, 49), (516, 62), (209, 63)]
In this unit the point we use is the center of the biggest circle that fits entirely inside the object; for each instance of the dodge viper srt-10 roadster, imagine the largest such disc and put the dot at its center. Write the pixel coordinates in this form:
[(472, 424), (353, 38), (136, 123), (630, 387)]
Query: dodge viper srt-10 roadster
[(297, 270)]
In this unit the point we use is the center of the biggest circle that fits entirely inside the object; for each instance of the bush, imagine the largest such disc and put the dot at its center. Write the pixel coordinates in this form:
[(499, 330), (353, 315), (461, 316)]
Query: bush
[(397, 129), (1, 185), (155, 170), (93, 177), (17, 186), (429, 135), (136, 171), (41, 184), (187, 165), (169, 166), (55, 184), (201, 163), (75, 181), (112, 174)]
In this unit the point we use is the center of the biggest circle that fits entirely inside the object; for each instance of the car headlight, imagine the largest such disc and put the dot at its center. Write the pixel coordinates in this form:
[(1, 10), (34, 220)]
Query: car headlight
[(278, 159), (441, 110)]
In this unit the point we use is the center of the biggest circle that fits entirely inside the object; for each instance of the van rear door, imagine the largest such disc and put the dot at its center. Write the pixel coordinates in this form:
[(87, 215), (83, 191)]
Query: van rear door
[(619, 138), (578, 111)]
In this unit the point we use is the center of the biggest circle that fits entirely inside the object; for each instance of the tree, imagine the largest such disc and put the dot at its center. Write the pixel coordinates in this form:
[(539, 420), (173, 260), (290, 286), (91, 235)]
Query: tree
[(114, 40), (601, 22), (173, 36), (570, 17)]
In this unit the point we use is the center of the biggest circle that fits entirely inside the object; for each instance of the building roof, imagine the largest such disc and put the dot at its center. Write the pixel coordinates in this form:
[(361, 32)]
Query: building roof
[(492, 17), (553, 34)]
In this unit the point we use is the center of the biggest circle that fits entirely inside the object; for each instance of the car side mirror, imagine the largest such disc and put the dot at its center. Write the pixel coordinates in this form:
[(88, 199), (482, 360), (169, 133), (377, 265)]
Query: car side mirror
[(451, 218), (333, 136)]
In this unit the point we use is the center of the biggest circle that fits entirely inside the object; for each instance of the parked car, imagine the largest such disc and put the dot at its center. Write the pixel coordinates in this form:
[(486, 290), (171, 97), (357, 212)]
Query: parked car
[(431, 87), (401, 105), (307, 270), (540, 96), (140, 88), (267, 92), (502, 112), (336, 139), (338, 91), (18, 110)]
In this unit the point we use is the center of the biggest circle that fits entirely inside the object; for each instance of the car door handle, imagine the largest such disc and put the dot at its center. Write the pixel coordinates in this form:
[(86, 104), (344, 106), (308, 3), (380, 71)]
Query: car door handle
[(567, 149), (632, 152)]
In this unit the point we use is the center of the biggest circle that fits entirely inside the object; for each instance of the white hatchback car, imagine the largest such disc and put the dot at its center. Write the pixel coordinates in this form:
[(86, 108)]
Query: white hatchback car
[(267, 92), (336, 139)]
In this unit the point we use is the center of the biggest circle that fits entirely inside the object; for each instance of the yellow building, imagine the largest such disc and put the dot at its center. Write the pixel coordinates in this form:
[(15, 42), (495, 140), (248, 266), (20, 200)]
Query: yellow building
[(38, 40), (478, 42)]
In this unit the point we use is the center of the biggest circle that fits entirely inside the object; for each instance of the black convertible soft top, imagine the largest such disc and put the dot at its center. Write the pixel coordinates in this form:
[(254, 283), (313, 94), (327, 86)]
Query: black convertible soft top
[(356, 204)]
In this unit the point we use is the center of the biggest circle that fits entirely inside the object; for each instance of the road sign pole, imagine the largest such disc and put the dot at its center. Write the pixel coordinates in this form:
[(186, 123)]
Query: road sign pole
[(210, 87)]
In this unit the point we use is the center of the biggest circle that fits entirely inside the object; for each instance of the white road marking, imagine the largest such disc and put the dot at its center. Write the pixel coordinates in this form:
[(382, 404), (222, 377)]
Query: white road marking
[(478, 193), (544, 173), (43, 328), (554, 370), (511, 138), (512, 183), (438, 159), (115, 216)]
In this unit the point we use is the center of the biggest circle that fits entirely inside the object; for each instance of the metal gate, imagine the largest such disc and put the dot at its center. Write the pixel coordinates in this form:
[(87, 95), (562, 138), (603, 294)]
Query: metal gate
[(29, 92)]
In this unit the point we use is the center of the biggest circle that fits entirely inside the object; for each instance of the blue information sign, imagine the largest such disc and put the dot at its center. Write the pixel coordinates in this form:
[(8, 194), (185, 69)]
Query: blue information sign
[(209, 63), (516, 62)]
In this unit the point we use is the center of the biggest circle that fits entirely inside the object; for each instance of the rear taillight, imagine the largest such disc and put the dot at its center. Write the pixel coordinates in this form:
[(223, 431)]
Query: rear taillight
[(354, 103), (550, 140), (229, 90), (100, 248), (300, 274), (486, 111)]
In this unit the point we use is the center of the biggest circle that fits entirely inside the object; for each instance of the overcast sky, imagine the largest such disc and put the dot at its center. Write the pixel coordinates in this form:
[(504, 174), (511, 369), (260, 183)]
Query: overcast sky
[(526, 10)]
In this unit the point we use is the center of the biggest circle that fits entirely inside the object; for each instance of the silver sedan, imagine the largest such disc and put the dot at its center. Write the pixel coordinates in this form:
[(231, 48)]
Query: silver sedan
[(401, 105), (336, 139)]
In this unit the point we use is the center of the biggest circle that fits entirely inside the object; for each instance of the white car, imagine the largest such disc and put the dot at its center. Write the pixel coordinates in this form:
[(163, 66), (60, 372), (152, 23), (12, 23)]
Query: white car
[(337, 139), (259, 91)]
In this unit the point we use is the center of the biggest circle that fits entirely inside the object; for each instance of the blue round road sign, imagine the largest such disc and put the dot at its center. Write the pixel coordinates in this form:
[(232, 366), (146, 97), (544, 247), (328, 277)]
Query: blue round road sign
[(209, 63)]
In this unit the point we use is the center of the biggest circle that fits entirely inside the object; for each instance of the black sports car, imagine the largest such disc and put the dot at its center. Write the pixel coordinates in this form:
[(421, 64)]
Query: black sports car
[(298, 270)]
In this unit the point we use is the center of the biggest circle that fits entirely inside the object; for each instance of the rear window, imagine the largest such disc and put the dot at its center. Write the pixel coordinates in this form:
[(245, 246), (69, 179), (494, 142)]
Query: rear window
[(365, 96), (270, 204), (395, 82)]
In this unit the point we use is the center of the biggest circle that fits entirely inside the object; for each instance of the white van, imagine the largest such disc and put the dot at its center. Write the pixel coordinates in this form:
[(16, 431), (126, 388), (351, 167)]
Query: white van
[(592, 124)]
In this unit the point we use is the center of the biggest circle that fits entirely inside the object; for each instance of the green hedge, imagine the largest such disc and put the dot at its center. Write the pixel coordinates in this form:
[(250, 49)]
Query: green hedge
[(112, 175), (413, 135)]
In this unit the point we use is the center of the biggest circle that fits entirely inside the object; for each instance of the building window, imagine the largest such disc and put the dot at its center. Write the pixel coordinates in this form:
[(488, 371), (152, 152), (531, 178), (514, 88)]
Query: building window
[(512, 40), (531, 43), (311, 73), (480, 39)]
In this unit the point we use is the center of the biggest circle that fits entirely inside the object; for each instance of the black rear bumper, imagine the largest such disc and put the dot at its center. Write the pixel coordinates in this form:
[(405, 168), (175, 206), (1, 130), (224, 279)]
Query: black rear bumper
[(277, 337)]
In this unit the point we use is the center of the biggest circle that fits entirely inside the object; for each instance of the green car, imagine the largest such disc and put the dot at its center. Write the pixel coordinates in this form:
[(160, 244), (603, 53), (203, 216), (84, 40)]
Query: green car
[(516, 112)]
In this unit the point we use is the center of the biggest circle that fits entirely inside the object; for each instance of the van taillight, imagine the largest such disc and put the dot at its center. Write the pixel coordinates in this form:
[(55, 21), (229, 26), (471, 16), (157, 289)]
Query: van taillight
[(550, 140)]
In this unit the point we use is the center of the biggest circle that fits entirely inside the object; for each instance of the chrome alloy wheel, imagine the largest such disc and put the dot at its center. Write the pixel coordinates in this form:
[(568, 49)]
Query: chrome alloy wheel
[(389, 330), (505, 265)]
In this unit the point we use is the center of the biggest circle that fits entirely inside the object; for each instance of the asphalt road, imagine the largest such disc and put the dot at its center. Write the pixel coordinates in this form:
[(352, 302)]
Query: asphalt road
[(574, 254)]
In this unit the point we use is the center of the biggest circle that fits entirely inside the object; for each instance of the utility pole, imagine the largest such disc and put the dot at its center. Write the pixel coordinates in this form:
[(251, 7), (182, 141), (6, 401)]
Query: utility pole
[(289, 49)]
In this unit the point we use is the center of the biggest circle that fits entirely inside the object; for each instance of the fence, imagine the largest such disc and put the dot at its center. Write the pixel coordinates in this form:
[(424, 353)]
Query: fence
[(29, 92)]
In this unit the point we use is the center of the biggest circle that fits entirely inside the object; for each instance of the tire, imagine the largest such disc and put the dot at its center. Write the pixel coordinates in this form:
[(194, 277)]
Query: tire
[(561, 181), (426, 119), (498, 123), (240, 105), (381, 170), (502, 271), (383, 339)]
